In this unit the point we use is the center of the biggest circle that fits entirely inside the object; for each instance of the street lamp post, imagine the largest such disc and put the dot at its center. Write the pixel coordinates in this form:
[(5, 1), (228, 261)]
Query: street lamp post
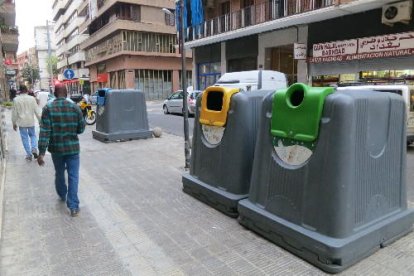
[(181, 38)]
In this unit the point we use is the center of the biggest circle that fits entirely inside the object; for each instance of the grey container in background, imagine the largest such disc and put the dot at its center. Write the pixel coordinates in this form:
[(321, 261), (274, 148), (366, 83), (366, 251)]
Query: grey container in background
[(220, 174), (121, 115), (349, 198)]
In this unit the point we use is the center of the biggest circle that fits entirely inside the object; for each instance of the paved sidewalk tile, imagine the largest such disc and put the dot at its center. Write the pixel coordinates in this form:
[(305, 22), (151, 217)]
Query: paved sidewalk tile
[(135, 220)]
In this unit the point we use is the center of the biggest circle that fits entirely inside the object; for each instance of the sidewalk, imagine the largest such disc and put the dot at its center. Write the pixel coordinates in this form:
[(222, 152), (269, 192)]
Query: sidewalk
[(135, 220)]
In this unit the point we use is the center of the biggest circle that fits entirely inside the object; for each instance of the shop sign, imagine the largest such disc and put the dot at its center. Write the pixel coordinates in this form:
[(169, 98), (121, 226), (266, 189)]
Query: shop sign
[(338, 48), (299, 51), (10, 72), (102, 77), (393, 45)]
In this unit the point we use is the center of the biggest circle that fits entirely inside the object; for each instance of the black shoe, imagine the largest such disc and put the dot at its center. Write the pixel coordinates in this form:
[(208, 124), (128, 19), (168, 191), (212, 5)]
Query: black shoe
[(62, 199), (35, 154), (74, 212)]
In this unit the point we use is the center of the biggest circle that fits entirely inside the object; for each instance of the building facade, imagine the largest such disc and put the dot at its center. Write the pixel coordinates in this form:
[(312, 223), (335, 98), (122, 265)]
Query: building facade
[(284, 35), (9, 42), (45, 50), (26, 58), (133, 44), (68, 37)]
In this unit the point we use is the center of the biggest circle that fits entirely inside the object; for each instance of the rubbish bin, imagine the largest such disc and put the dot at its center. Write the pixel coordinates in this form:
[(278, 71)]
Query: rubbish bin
[(224, 137), (121, 115), (335, 191)]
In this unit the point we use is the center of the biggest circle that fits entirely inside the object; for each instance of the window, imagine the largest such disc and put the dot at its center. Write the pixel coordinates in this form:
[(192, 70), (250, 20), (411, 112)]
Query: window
[(156, 84), (208, 74)]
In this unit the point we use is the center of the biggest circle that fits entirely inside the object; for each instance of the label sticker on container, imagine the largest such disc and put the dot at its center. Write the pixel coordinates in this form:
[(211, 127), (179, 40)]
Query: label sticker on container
[(292, 154), (213, 134), (101, 110)]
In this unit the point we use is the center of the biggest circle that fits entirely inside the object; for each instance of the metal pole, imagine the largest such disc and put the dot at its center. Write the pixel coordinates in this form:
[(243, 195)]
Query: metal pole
[(184, 87), (49, 53)]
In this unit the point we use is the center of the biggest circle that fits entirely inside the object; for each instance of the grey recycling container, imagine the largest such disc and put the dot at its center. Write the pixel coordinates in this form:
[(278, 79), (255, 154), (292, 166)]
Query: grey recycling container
[(224, 137), (335, 195), (121, 115)]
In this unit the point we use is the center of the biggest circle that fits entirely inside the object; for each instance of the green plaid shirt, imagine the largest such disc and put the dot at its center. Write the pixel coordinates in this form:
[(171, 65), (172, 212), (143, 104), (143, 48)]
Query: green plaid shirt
[(60, 125)]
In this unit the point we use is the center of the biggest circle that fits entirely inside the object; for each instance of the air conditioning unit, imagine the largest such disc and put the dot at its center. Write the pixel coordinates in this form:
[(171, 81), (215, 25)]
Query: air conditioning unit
[(397, 12)]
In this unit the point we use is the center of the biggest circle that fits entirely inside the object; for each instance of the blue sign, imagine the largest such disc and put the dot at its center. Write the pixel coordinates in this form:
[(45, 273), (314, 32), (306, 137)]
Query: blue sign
[(69, 74)]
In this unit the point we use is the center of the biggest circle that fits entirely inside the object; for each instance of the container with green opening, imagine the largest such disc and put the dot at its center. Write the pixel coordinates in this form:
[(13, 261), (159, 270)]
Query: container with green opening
[(328, 178)]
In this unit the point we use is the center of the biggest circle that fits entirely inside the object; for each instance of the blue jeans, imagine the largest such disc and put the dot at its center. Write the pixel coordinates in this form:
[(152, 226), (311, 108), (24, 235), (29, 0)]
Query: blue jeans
[(71, 164), (25, 134)]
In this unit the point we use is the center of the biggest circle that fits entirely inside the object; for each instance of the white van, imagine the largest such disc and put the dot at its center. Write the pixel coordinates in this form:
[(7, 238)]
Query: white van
[(253, 80), (406, 91)]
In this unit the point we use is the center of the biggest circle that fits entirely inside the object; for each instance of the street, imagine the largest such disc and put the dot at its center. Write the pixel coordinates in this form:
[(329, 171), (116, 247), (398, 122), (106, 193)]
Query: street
[(169, 123), (135, 219)]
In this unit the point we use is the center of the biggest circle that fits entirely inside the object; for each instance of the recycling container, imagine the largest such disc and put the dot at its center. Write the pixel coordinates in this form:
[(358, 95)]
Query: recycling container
[(121, 115), (224, 138), (328, 180)]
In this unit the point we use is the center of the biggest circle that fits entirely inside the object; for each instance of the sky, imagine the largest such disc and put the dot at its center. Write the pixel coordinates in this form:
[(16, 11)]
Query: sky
[(31, 13)]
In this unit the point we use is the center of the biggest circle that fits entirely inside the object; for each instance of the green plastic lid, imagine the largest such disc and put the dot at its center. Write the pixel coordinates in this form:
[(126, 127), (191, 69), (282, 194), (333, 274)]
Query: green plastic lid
[(296, 112)]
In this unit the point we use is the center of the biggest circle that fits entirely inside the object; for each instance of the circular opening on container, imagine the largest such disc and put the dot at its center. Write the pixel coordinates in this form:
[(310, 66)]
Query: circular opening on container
[(296, 97)]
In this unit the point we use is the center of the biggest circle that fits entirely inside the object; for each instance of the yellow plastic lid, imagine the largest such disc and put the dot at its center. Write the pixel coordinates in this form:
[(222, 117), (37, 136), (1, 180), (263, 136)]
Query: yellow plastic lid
[(215, 104)]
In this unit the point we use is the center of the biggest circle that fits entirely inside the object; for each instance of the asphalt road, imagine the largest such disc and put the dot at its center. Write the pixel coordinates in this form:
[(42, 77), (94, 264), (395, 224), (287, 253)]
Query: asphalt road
[(170, 123)]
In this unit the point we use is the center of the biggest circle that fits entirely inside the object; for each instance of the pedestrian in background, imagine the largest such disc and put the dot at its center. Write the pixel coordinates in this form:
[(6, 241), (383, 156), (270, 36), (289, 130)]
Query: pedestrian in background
[(13, 93), (61, 123), (24, 110)]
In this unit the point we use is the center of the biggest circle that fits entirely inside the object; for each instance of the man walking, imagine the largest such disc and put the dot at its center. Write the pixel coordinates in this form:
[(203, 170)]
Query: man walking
[(61, 123), (24, 110)]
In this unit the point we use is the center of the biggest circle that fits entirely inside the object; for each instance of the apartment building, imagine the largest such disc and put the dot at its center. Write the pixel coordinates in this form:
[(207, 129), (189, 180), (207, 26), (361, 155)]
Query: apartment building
[(28, 57), (68, 38), (133, 44), (44, 43), (311, 41), (9, 43)]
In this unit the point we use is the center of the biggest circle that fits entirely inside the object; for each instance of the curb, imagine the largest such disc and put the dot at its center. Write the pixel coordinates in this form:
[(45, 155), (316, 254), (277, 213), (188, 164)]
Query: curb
[(3, 166)]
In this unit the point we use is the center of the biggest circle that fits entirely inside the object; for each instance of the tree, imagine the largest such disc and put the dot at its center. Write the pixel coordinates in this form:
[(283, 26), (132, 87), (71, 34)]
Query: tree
[(30, 73), (53, 60)]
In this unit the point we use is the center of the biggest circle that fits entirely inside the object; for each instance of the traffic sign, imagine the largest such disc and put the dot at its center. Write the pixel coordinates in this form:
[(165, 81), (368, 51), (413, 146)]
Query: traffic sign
[(69, 74)]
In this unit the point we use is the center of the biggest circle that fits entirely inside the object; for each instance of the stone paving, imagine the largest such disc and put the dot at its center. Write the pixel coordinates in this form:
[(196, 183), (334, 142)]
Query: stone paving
[(135, 220)]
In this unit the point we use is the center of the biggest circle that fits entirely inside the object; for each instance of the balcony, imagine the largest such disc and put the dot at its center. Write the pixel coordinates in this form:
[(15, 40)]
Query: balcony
[(73, 25), (104, 5), (83, 27), (77, 40), (59, 9), (82, 9), (79, 56), (271, 16), (120, 24), (254, 15), (8, 12), (9, 38), (61, 49)]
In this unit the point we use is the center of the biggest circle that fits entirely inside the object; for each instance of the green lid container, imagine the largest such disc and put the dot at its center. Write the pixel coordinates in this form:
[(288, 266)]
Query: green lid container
[(296, 112)]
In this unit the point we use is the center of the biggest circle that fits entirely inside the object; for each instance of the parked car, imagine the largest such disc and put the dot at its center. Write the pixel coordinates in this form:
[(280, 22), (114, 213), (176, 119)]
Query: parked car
[(174, 103)]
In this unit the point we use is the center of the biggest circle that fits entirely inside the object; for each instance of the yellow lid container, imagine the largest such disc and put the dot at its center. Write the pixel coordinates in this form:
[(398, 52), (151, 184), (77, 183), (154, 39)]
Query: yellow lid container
[(215, 104)]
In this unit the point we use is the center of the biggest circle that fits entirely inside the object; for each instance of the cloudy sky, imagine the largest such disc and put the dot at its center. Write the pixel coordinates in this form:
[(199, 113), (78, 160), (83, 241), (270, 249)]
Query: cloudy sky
[(31, 13)]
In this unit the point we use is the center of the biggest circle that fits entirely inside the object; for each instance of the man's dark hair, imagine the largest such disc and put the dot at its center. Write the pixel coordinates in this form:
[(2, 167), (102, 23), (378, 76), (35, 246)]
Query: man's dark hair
[(23, 88), (60, 91)]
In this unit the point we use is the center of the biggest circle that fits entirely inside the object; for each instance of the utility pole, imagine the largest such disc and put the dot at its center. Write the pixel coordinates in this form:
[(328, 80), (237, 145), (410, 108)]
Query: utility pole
[(49, 54), (184, 86), (181, 39)]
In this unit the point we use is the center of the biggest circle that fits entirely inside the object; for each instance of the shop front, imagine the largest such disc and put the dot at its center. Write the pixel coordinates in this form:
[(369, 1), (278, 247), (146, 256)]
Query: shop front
[(347, 53)]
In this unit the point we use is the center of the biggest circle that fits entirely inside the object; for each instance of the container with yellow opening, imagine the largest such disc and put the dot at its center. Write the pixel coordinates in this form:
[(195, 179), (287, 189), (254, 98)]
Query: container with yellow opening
[(223, 147)]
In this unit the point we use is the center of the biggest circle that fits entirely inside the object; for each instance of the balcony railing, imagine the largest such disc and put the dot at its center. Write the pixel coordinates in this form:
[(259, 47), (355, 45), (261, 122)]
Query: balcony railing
[(253, 15)]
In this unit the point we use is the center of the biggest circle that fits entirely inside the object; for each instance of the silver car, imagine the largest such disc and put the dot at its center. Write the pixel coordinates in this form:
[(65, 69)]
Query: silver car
[(174, 103)]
